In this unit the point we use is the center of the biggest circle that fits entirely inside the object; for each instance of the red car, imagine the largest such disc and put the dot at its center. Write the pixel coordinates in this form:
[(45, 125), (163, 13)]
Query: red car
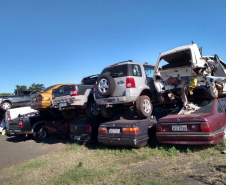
[(207, 125)]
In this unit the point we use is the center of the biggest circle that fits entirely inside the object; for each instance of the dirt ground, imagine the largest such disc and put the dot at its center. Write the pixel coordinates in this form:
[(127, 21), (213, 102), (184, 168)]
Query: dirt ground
[(19, 149)]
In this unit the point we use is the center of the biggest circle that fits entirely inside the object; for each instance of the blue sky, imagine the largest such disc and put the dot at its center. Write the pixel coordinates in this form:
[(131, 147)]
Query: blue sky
[(62, 41)]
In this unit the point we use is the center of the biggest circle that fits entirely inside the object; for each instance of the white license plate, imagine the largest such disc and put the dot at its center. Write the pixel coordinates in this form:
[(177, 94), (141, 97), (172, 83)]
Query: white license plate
[(114, 131), (64, 104), (77, 138), (179, 127)]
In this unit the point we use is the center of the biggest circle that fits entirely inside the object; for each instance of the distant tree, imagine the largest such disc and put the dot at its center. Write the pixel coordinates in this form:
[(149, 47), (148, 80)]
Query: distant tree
[(4, 94), (21, 88), (36, 87)]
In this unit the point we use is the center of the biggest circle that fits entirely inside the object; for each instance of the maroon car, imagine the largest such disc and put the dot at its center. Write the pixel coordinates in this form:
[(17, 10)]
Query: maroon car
[(207, 125)]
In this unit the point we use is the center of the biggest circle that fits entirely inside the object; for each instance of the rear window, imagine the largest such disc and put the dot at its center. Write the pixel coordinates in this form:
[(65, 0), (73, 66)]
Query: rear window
[(47, 88), (116, 71), (178, 59), (206, 106)]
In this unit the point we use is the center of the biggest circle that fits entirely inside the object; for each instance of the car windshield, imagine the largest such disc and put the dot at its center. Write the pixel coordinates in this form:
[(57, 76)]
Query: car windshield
[(116, 71)]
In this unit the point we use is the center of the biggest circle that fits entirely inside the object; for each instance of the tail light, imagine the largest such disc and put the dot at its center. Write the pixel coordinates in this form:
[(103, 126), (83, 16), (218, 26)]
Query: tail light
[(95, 87), (8, 118), (53, 95), (40, 98), (205, 127), (158, 128), (134, 130), (73, 92), (130, 83), (88, 128), (102, 130), (21, 124)]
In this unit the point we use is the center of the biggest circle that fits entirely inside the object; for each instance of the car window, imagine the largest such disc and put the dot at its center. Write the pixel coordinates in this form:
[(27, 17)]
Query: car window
[(47, 88), (116, 71), (136, 70), (223, 103), (206, 106), (177, 59), (149, 71), (219, 108)]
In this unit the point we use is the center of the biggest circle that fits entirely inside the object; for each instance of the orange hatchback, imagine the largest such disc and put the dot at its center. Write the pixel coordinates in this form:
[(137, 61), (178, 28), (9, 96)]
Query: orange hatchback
[(42, 99)]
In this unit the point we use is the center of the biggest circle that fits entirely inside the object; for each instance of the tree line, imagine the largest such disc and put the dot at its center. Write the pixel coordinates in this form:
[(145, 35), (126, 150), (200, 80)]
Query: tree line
[(32, 87)]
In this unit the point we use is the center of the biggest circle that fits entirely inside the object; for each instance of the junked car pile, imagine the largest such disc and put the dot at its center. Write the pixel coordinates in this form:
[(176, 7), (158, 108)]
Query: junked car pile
[(180, 100)]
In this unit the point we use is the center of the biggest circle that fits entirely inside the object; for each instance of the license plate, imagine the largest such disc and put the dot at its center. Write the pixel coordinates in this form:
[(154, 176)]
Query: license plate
[(77, 138), (64, 104), (114, 131), (179, 127)]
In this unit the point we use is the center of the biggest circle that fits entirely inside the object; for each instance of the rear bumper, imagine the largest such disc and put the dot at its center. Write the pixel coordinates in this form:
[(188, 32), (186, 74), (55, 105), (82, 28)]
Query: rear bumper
[(81, 138), (18, 132), (75, 101), (128, 142), (191, 139)]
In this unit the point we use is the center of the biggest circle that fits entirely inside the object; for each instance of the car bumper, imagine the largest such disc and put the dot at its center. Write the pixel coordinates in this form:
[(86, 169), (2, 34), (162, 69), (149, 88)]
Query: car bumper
[(81, 138), (128, 142), (115, 100), (78, 101), (190, 139), (17, 132)]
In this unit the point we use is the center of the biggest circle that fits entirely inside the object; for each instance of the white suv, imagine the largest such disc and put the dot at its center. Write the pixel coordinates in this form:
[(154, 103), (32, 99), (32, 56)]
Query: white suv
[(126, 83)]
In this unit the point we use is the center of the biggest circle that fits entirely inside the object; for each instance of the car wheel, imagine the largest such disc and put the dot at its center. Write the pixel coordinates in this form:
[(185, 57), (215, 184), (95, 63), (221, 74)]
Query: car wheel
[(92, 109), (6, 105), (144, 106), (69, 113), (55, 113), (107, 112), (212, 92), (40, 133), (105, 85)]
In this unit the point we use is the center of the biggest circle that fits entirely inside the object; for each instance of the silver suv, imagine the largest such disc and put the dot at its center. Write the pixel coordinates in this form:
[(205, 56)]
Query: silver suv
[(127, 83)]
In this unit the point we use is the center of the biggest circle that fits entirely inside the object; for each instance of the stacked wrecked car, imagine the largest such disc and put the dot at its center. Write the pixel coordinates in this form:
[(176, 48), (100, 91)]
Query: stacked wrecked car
[(180, 100)]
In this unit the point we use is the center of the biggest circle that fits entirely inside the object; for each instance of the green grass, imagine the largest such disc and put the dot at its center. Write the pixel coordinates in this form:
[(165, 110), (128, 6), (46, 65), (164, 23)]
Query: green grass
[(99, 164)]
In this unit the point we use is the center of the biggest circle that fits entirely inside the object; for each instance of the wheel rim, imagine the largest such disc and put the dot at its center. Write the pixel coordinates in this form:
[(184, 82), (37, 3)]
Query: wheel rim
[(6, 105), (146, 106), (103, 85), (95, 109), (42, 133)]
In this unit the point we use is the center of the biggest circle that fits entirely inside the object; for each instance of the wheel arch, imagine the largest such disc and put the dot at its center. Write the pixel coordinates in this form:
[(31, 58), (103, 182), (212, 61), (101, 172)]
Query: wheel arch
[(38, 124), (146, 92)]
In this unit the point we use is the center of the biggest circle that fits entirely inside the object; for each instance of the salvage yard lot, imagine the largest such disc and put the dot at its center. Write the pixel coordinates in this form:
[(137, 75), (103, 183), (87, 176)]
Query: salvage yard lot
[(98, 164)]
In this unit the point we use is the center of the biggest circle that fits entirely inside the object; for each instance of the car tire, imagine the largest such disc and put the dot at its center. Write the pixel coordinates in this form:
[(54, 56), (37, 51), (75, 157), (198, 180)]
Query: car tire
[(105, 85), (55, 113), (69, 113), (144, 106), (212, 93), (40, 133), (107, 112), (92, 109), (6, 105)]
